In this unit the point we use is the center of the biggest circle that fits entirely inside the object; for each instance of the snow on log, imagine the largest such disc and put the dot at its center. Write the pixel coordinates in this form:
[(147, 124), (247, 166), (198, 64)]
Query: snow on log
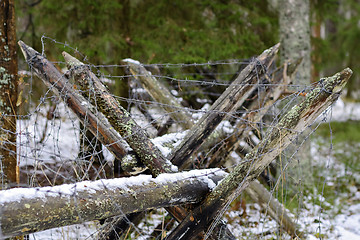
[(27, 210), (278, 138)]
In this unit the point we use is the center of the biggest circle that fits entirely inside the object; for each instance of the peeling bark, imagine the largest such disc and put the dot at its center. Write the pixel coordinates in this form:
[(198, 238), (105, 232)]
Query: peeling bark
[(289, 127)]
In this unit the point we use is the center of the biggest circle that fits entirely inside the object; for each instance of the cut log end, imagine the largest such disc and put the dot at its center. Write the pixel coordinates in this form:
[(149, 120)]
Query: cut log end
[(71, 61), (27, 51)]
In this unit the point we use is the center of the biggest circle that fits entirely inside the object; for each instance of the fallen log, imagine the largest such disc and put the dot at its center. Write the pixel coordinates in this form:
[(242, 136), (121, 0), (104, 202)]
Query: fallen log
[(121, 120), (28, 210), (291, 125)]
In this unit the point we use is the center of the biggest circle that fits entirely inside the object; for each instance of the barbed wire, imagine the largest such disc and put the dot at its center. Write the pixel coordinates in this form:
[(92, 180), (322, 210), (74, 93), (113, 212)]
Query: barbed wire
[(50, 138)]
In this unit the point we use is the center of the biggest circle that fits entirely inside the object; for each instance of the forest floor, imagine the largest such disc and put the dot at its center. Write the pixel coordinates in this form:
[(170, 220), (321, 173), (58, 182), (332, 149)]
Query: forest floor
[(325, 204)]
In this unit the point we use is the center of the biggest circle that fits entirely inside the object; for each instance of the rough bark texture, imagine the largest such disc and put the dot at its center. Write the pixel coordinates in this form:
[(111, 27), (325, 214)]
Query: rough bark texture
[(289, 127), (295, 36), (95, 121), (37, 209), (8, 94), (233, 97), (118, 117)]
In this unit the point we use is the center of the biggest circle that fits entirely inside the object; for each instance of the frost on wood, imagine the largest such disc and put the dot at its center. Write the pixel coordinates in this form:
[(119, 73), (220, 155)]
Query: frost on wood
[(27, 210), (290, 126)]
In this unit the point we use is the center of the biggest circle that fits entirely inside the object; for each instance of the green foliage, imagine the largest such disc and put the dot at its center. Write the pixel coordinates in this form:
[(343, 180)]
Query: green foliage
[(156, 31), (339, 47), (341, 131)]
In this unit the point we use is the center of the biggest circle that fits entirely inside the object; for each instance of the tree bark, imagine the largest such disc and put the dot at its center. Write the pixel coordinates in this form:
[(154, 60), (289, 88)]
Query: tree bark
[(35, 209), (281, 78), (8, 94), (290, 126), (295, 36)]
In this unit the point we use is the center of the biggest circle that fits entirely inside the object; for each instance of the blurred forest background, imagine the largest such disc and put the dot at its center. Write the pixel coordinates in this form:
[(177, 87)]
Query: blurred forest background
[(189, 31)]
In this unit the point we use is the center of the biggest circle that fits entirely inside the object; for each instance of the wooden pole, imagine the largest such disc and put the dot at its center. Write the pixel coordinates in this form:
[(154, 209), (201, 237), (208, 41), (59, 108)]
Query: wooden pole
[(290, 126), (281, 77)]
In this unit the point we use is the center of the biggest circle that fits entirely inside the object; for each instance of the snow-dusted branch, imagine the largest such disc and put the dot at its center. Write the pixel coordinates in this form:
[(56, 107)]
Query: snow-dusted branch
[(27, 210), (159, 92)]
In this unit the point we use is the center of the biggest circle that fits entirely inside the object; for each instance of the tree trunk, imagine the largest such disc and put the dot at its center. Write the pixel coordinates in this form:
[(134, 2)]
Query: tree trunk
[(295, 36), (28, 210), (290, 126), (8, 94)]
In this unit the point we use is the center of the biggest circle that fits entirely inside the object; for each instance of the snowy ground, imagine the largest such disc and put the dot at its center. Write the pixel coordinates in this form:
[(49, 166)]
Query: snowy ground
[(60, 144)]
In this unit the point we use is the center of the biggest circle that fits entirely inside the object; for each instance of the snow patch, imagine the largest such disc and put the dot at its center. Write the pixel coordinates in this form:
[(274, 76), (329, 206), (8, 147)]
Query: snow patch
[(129, 60)]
